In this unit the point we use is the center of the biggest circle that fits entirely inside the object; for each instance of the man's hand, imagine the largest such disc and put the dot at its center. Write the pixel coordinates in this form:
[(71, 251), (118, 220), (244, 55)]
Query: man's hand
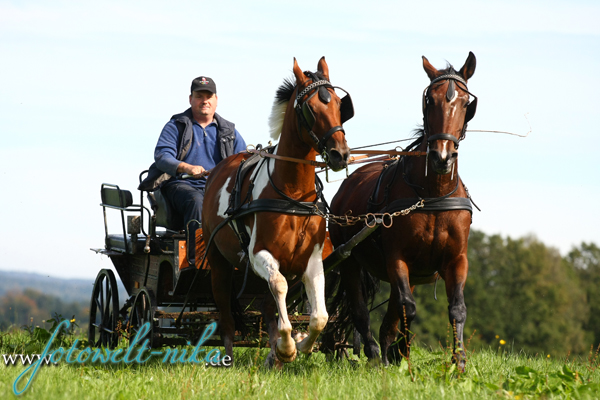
[(185, 168)]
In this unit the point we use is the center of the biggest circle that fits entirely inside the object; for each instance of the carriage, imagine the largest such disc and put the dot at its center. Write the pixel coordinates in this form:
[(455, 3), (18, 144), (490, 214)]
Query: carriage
[(161, 270), (270, 216)]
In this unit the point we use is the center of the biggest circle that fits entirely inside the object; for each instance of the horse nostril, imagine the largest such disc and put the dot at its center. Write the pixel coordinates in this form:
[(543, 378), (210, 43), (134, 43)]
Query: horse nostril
[(338, 159), (335, 155)]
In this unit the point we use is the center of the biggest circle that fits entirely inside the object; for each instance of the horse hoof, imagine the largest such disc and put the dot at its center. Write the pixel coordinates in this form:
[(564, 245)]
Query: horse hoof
[(375, 362), (270, 360), (286, 358), (460, 360)]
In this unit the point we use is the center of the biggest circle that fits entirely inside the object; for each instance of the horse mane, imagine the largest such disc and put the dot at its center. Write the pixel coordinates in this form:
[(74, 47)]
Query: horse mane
[(282, 97), (419, 133), (449, 69)]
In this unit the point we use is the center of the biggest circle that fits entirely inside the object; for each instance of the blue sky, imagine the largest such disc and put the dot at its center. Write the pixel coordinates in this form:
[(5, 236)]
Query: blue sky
[(86, 88)]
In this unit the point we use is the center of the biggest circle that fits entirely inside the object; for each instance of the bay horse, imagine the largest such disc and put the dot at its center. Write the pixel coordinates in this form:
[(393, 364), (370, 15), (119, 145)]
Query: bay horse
[(427, 243), (278, 224)]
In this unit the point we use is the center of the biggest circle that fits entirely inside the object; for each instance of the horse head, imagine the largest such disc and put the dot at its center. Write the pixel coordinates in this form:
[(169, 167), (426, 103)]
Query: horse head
[(446, 112), (321, 113)]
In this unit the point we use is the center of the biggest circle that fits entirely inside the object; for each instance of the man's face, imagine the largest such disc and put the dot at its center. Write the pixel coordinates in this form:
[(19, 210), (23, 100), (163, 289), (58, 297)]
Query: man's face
[(203, 103)]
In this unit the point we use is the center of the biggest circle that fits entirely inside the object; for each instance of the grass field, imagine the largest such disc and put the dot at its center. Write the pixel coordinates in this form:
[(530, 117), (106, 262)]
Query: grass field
[(491, 373)]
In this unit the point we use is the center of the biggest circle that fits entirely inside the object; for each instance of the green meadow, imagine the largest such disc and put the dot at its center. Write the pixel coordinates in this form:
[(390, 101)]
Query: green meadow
[(491, 373)]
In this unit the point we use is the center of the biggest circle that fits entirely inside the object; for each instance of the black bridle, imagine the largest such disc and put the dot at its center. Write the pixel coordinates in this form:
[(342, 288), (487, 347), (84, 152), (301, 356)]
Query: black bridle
[(306, 117), (471, 107)]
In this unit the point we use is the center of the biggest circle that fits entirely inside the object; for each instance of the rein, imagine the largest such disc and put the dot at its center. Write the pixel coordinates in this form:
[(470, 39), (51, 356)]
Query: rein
[(263, 153)]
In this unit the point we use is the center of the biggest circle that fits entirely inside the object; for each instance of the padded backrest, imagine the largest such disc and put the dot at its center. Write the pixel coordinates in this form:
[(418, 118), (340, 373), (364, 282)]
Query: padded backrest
[(116, 197)]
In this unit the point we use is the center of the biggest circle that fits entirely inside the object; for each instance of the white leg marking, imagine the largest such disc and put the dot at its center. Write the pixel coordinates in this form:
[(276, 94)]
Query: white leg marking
[(267, 267), (314, 283)]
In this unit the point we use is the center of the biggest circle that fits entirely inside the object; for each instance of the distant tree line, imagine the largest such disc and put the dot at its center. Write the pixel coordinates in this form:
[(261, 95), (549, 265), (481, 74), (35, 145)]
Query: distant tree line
[(520, 292), (31, 307)]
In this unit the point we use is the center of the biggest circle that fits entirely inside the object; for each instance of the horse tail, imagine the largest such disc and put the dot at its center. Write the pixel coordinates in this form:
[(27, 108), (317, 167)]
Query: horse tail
[(339, 307)]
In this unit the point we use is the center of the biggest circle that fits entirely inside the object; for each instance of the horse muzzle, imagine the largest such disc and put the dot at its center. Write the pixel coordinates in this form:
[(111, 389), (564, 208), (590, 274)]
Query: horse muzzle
[(443, 151), (442, 162), (337, 159)]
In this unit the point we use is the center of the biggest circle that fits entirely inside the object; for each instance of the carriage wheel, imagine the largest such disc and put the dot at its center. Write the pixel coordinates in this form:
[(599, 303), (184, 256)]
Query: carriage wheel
[(142, 311), (104, 311)]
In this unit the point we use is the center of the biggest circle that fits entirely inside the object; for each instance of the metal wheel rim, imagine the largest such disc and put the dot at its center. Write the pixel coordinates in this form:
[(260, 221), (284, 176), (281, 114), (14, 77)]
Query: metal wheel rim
[(142, 311), (104, 311)]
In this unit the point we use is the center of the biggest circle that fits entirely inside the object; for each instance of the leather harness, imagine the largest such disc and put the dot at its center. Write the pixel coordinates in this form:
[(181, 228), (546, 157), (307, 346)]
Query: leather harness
[(239, 207), (442, 203)]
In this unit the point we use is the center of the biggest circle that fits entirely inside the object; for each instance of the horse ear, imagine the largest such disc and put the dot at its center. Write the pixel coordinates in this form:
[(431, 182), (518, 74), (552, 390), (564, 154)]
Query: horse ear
[(323, 68), (300, 78), (468, 69), (431, 71)]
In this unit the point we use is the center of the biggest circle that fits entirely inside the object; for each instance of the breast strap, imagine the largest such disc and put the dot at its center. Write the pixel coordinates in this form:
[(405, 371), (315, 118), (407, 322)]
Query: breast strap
[(431, 204), (239, 207)]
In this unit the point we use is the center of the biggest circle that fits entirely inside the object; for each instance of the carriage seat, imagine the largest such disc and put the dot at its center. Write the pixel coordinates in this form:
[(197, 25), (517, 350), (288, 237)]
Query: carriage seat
[(115, 198)]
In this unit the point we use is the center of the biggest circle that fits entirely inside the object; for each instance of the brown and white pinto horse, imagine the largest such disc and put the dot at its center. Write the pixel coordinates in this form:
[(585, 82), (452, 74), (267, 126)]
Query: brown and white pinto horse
[(429, 242), (307, 115)]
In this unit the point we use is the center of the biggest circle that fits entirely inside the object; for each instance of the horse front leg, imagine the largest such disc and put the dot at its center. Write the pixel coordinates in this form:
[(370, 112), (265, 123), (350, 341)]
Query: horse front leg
[(314, 283), (269, 309), (267, 267), (403, 309), (455, 278)]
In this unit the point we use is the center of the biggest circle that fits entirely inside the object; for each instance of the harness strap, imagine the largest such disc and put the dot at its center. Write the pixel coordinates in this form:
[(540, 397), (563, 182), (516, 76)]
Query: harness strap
[(327, 136), (443, 136), (372, 206), (281, 206), (432, 204)]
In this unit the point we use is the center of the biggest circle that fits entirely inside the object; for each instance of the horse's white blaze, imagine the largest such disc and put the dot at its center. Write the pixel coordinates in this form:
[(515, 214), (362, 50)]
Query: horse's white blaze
[(455, 96), (452, 109), (224, 199), (444, 150)]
